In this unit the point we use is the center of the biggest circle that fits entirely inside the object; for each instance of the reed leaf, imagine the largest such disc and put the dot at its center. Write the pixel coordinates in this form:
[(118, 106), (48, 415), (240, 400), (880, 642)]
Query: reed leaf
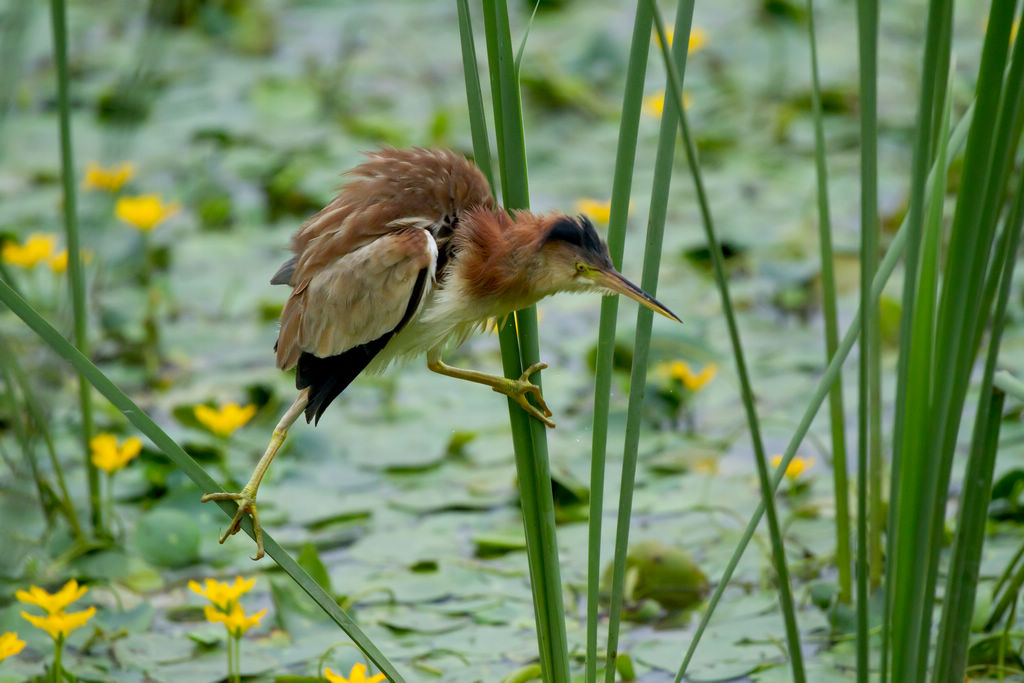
[(828, 378), (837, 417), (642, 338), (38, 416), (518, 352), (964, 567), (869, 374), (914, 361), (675, 89), (625, 156), (76, 276), (19, 427), (927, 451), (474, 98), (137, 417)]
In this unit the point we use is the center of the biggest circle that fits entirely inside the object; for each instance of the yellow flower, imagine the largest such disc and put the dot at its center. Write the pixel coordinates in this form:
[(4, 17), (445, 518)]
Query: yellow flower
[(595, 208), (235, 621), (357, 675), (707, 465), (59, 263), (110, 179), (144, 212), (682, 371), (52, 602), (223, 595), (60, 624), (108, 456), (37, 248), (698, 38), (225, 421), (10, 645), (654, 105), (797, 466)]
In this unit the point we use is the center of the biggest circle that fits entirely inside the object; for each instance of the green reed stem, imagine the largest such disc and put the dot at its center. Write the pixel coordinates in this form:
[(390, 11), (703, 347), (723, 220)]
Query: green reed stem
[(521, 437), (919, 288), (964, 568), (477, 117), (767, 490), (642, 339), (869, 375), (828, 378), (625, 157), (828, 280), (21, 436), (39, 418), (235, 653), (529, 436), (76, 276), (996, 191), (928, 454), (958, 604), (1012, 592), (58, 664), (14, 26), (999, 382), (193, 471)]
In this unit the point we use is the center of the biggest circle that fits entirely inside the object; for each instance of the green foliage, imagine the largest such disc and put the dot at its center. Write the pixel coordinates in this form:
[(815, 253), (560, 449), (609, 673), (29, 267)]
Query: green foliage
[(404, 505), (167, 538)]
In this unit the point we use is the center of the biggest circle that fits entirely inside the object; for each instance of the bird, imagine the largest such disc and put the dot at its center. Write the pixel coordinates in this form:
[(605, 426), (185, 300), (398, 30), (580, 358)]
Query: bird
[(414, 254)]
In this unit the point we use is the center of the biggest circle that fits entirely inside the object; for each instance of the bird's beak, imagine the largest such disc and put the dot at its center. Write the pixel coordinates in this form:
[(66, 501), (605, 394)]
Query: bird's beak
[(613, 280)]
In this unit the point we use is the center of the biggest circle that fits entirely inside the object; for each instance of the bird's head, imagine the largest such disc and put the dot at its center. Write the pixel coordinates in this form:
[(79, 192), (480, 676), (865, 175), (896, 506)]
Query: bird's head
[(573, 258)]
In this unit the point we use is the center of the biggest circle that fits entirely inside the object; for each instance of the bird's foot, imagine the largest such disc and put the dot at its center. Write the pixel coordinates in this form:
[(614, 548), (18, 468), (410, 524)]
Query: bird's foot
[(518, 389), (246, 506)]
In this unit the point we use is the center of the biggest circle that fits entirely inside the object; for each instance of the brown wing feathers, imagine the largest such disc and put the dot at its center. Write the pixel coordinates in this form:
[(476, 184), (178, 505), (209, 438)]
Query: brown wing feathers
[(359, 271), (328, 377)]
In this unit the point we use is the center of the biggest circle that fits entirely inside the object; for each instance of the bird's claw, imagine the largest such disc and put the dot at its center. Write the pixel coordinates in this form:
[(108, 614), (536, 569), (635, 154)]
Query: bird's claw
[(246, 505), (518, 389)]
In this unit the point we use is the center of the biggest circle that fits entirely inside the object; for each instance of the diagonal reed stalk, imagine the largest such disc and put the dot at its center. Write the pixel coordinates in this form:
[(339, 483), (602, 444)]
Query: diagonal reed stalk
[(675, 89), (828, 281), (76, 276), (520, 348), (193, 471), (827, 380), (625, 157)]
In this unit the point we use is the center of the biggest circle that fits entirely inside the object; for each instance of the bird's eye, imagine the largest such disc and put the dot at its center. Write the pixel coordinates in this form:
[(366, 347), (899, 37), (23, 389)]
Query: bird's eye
[(581, 268)]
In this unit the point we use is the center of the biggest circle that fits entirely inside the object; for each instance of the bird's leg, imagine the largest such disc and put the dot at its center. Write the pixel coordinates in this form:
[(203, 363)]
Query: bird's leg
[(246, 499), (516, 389)]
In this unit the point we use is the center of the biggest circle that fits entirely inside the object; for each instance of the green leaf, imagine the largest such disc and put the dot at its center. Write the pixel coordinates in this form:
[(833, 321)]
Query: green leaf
[(167, 538), (309, 559)]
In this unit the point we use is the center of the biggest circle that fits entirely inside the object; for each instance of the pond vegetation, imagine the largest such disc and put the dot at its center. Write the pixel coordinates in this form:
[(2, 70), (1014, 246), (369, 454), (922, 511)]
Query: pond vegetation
[(157, 157)]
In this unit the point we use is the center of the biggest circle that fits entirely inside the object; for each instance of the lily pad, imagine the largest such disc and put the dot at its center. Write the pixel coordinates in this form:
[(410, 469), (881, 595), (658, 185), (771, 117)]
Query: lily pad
[(167, 538)]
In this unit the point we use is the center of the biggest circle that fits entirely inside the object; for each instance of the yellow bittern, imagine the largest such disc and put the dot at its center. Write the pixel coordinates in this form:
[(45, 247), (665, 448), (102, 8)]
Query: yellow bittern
[(413, 254)]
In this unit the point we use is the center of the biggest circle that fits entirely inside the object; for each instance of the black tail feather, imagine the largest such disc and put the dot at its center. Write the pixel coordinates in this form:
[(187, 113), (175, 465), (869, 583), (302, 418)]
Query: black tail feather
[(328, 377)]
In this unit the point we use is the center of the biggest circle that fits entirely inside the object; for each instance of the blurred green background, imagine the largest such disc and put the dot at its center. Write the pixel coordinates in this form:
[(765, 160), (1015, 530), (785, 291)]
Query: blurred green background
[(241, 116)]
